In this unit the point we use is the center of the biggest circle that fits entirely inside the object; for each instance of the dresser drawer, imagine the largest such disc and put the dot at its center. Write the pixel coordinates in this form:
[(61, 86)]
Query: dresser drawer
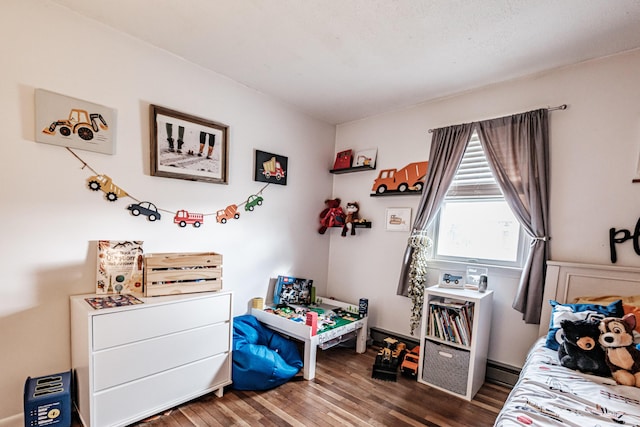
[(129, 362), (120, 406), (149, 321)]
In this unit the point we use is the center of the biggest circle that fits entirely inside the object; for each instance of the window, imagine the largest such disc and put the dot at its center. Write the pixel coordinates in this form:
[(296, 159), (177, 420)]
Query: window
[(475, 224)]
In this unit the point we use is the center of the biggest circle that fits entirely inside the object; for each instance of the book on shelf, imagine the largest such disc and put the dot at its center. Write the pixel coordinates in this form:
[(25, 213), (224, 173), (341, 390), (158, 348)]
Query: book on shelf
[(119, 267), (451, 322)]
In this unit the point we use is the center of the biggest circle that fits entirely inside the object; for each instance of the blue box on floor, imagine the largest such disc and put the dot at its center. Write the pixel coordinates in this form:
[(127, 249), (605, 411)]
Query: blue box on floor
[(47, 401)]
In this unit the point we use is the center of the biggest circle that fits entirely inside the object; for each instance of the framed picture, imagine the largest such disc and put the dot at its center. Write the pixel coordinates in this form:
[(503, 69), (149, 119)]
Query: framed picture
[(74, 123), (343, 160), (397, 219), (365, 158), (271, 168), (188, 147)]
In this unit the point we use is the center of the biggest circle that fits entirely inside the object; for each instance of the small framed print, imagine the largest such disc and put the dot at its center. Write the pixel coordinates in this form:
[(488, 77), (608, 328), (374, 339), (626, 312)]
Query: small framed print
[(365, 158), (188, 147), (397, 219), (343, 160), (271, 168)]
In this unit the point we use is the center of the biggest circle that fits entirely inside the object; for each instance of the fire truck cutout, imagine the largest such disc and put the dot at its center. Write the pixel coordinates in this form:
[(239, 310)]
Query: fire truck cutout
[(183, 218)]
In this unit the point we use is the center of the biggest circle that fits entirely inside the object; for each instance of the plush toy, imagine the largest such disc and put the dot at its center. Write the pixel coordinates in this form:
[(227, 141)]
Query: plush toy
[(580, 349), (616, 336), (352, 216), (331, 216)]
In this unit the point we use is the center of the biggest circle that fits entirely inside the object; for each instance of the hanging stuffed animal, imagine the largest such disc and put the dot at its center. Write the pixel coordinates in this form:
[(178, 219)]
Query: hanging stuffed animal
[(352, 217), (331, 216)]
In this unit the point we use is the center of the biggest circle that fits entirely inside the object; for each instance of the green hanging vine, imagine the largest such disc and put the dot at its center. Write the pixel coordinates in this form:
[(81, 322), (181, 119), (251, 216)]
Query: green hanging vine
[(421, 244)]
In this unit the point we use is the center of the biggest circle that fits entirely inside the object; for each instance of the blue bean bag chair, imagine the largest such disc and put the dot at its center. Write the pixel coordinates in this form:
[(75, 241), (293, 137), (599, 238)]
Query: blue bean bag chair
[(262, 359)]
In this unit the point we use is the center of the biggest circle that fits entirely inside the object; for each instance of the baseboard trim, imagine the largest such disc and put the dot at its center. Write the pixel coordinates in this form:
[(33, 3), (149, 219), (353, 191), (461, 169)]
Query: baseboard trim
[(378, 335), (501, 373), (12, 421)]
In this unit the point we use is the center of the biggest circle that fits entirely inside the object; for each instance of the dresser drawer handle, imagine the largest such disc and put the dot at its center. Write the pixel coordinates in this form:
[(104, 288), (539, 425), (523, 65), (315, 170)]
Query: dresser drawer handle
[(445, 354)]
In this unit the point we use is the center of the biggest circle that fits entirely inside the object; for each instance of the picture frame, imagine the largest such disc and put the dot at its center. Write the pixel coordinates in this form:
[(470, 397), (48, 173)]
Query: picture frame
[(74, 123), (365, 157), (343, 160), (270, 168), (397, 219), (188, 147)]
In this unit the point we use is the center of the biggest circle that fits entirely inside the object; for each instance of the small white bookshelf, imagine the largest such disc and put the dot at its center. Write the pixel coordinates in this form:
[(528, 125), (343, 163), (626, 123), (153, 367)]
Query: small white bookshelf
[(454, 340)]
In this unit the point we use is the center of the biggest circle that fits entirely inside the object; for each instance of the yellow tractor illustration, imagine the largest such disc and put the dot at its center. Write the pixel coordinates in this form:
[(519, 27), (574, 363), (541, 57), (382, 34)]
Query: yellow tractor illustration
[(104, 183), (79, 123)]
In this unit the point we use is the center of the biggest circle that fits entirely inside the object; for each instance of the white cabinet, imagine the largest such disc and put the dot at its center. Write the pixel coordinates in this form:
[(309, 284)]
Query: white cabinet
[(134, 361), (455, 340)]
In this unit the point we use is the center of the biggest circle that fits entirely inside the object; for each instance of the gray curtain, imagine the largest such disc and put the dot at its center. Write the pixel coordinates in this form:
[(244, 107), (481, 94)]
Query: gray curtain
[(447, 148), (517, 150)]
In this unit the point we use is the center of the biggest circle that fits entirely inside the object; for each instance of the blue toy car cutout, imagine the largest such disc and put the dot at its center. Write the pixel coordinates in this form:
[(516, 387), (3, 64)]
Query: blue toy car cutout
[(145, 208), (451, 278)]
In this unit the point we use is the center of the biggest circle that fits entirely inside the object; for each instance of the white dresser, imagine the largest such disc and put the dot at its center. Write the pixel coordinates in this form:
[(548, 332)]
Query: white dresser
[(134, 361)]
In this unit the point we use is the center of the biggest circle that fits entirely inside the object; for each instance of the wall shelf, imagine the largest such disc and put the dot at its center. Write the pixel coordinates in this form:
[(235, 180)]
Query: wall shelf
[(390, 193), (365, 224), (352, 169)]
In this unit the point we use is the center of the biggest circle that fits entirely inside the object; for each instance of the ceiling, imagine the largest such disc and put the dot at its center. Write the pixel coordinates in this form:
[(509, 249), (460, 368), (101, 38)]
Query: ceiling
[(342, 60)]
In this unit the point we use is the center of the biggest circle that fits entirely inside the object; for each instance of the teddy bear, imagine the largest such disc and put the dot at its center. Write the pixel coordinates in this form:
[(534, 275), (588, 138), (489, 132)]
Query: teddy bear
[(616, 336), (580, 349), (351, 211), (331, 216)]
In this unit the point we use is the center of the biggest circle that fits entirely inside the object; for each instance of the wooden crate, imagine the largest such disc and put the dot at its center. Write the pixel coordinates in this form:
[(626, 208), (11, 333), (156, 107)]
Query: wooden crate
[(182, 273)]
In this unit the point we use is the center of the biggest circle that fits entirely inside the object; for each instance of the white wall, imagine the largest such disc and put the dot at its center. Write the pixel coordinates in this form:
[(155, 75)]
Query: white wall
[(50, 220), (595, 146)]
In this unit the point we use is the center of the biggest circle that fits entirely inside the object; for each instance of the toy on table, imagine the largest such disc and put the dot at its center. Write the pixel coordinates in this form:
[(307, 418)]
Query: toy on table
[(616, 336), (580, 349)]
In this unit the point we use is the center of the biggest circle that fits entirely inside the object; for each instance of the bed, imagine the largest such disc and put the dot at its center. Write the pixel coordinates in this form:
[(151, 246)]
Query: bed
[(548, 394)]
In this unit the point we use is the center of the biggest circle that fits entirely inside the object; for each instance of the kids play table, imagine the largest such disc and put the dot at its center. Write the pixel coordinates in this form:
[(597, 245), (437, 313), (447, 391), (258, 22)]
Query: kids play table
[(295, 328)]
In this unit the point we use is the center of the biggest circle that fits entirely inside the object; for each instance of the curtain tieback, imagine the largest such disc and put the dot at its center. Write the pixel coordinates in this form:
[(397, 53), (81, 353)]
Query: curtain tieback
[(537, 239)]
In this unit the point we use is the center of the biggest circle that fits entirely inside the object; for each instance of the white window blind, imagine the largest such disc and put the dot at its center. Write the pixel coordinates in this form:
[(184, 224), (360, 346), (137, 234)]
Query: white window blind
[(474, 178)]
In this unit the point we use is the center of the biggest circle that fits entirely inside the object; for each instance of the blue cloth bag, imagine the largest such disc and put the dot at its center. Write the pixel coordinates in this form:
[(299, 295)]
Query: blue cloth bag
[(262, 359)]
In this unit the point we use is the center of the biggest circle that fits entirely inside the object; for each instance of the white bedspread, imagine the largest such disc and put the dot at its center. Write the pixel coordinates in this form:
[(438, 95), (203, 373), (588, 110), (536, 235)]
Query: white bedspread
[(548, 394)]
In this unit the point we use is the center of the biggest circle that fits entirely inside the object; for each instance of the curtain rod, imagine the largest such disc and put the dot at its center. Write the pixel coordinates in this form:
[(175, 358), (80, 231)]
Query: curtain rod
[(559, 107)]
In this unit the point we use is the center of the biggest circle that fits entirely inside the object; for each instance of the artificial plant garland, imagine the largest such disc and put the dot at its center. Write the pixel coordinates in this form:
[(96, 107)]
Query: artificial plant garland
[(420, 244)]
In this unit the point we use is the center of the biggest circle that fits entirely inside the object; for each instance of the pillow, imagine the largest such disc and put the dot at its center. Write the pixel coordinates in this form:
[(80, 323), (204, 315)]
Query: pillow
[(636, 311), (604, 300), (560, 312)]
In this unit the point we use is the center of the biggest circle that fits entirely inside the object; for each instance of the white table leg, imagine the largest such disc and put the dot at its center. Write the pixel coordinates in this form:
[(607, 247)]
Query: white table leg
[(361, 338), (310, 350)]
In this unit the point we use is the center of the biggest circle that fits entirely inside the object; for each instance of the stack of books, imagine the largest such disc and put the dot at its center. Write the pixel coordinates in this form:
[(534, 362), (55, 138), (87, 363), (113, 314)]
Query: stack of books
[(451, 321)]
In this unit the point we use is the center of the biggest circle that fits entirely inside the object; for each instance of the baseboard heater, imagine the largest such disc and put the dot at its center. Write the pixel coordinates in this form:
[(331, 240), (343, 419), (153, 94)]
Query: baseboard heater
[(497, 372)]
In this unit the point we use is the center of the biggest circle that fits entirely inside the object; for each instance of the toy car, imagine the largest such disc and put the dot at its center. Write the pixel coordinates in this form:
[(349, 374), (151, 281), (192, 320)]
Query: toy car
[(252, 201), (451, 278), (409, 365), (145, 208)]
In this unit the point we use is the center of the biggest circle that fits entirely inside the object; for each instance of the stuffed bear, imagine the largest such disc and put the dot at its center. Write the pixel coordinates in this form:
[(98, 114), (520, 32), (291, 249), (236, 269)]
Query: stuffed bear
[(616, 336), (580, 349), (331, 216), (352, 216)]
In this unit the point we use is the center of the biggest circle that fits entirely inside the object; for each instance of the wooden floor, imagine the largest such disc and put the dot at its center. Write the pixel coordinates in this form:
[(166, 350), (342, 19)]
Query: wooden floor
[(342, 394)]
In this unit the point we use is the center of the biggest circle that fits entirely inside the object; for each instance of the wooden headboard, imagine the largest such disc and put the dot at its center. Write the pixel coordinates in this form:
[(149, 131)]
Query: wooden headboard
[(566, 281)]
